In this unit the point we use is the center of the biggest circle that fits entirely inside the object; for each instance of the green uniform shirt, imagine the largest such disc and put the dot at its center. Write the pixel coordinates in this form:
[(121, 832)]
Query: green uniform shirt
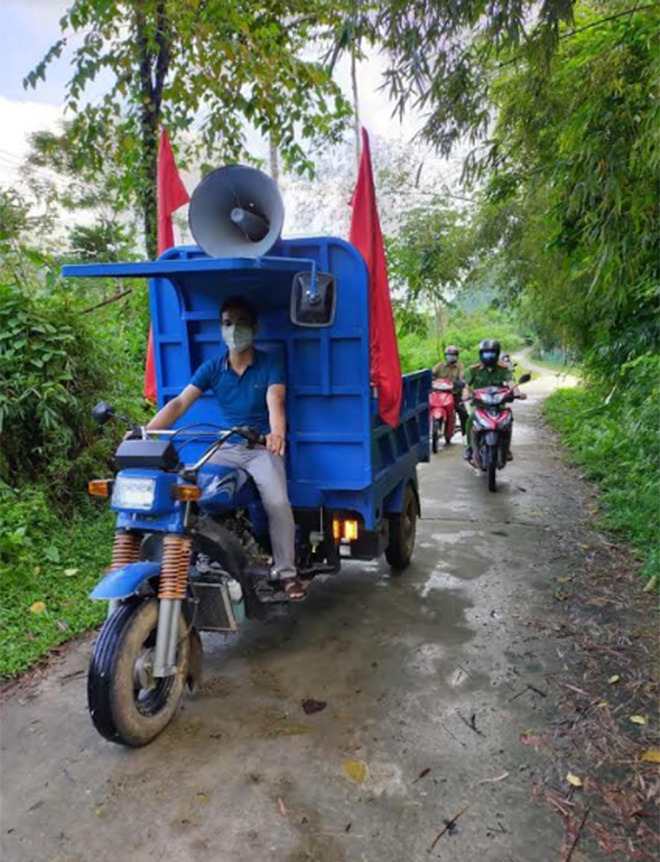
[(479, 377), (453, 371)]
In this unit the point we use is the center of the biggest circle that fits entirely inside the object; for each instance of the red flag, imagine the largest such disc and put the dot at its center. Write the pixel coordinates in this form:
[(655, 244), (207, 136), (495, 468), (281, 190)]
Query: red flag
[(172, 194), (367, 237)]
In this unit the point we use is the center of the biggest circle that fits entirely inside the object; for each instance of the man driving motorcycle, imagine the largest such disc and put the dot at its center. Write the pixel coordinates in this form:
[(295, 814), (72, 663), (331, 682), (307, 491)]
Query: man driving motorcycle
[(489, 371), (250, 388), (451, 369)]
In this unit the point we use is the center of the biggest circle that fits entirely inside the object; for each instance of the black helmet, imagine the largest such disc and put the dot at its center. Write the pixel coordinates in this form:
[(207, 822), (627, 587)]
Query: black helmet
[(489, 352)]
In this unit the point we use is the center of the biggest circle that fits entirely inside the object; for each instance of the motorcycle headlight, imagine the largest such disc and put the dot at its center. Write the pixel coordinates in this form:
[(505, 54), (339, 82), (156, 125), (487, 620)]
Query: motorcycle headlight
[(134, 493)]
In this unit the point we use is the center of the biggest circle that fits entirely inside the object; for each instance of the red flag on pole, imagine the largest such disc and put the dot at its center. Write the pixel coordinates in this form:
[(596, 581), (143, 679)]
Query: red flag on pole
[(172, 194), (367, 237)]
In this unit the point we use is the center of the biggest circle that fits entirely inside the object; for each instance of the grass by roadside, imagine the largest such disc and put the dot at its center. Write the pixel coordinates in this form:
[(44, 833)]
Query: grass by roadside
[(558, 367), (616, 442), (49, 565)]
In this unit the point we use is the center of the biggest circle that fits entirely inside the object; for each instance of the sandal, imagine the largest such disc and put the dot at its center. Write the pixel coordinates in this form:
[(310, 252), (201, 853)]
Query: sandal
[(295, 589)]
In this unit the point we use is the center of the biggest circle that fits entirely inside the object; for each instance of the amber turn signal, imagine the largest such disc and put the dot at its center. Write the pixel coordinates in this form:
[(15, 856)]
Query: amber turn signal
[(100, 487), (346, 530), (186, 493), (350, 531)]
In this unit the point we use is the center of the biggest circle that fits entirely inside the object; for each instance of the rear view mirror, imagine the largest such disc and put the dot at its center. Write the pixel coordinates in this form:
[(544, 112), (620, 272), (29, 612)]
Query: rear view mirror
[(103, 412), (313, 303), (525, 378)]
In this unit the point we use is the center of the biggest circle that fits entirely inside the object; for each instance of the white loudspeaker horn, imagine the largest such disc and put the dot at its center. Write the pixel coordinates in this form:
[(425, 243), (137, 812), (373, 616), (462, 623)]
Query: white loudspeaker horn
[(236, 211)]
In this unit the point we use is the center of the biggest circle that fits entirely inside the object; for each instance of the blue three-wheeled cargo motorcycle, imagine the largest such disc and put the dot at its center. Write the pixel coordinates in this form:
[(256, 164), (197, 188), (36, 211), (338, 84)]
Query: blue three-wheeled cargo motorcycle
[(191, 550)]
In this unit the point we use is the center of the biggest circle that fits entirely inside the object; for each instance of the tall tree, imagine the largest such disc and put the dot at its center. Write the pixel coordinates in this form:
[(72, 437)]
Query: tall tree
[(215, 64), (571, 208)]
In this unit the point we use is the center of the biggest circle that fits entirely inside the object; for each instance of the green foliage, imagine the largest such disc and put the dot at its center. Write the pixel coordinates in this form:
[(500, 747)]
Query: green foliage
[(54, 367), (613, 435), (428, 255), (441, 56), (211, 63), (50, 559), (571, 207), (425, 346)]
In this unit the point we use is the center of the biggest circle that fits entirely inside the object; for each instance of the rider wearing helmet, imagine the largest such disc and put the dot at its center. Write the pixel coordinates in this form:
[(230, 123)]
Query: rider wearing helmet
[(489, 371), (451, 369)]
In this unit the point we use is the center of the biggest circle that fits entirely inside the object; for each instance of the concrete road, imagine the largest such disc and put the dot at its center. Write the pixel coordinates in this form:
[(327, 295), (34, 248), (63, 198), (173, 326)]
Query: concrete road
[(425, 680)]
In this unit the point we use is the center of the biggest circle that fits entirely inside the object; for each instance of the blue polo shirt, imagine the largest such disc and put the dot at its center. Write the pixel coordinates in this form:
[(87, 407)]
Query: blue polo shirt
[(242, 400)]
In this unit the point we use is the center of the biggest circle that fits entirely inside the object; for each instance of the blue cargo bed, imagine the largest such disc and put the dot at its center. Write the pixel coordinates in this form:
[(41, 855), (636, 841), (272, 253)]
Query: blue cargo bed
[(340, 454)]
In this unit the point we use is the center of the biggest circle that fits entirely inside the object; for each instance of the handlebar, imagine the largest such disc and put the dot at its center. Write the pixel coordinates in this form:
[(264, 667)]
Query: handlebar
[(253, 436)]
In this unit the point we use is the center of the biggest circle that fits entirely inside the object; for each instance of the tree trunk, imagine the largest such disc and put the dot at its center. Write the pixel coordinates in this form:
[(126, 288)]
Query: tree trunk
[(154, 64), (356, 105), (274, 158)]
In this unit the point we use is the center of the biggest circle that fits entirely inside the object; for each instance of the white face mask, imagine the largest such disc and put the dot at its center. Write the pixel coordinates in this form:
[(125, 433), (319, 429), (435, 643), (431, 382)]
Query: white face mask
[(237, 337)]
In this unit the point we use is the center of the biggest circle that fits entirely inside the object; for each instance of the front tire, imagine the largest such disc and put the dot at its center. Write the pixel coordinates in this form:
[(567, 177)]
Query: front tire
[(435, 434), (492, 468), (403, 529), (126, 704)]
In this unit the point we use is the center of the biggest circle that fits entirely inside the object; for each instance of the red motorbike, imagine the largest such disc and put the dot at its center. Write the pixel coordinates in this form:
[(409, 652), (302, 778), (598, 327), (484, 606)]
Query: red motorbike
[(492, 427), (442, 410)]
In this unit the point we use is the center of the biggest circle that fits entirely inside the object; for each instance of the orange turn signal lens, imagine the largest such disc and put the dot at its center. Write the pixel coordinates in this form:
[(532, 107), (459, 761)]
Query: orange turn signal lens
[(351, 531), (346, 531), (100, 487), (186, 493)]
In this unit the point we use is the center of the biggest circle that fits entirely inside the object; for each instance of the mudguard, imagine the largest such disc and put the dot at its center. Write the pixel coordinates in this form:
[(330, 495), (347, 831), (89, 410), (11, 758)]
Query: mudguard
[(491, 438), (124, 582)]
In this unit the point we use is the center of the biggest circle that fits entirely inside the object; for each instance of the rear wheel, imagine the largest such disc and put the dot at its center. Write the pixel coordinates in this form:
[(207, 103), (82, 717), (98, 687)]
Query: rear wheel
[(403, 529), (436, 428), (127, 704)]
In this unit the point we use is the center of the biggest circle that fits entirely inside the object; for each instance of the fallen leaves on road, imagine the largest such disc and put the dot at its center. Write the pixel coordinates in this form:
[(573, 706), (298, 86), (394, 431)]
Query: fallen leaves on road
[(638, 719), (573, 780), (450, 826), (281, 807), (613, 679), (490, 780), (422, 774), (651, 756), (291, 730), (310, 706), (356, 770)]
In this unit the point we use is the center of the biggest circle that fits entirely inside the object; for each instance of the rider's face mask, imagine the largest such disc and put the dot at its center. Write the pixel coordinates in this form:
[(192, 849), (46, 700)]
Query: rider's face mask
[(237, 336), (451, 358)]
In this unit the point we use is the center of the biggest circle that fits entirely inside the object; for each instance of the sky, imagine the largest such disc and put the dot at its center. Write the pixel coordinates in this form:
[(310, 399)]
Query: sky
[(29, 27)]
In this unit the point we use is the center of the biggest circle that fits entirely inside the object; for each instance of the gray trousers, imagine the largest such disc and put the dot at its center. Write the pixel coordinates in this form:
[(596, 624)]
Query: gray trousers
[(269, 476)]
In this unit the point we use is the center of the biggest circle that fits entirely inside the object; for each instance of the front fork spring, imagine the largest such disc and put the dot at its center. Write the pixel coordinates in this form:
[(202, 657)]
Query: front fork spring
[(125, 550), (174, 567)]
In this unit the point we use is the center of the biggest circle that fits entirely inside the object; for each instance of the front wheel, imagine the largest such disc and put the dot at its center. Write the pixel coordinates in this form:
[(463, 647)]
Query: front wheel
[(403, 529), (127, 704), (492, 469), (436, 429)]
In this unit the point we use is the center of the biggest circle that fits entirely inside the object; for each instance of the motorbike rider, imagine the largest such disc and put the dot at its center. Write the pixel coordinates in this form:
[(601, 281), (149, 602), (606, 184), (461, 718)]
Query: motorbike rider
[(507, 360), (489, 371), (250, 388), (451, 369)]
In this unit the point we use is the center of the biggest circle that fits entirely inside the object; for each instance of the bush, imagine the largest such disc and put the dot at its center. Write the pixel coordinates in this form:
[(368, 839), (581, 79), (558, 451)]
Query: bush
[(48, 565), (423, 349), (612, 433), (55, 365)]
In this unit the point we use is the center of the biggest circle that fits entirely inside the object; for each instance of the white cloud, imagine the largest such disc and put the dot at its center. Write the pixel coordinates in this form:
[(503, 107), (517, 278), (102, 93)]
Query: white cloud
[(17, 121)]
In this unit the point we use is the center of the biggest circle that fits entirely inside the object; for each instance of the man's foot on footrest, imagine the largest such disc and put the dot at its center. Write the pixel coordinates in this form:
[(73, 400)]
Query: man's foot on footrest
[(467, 454), (295, 589), (509, 455)]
